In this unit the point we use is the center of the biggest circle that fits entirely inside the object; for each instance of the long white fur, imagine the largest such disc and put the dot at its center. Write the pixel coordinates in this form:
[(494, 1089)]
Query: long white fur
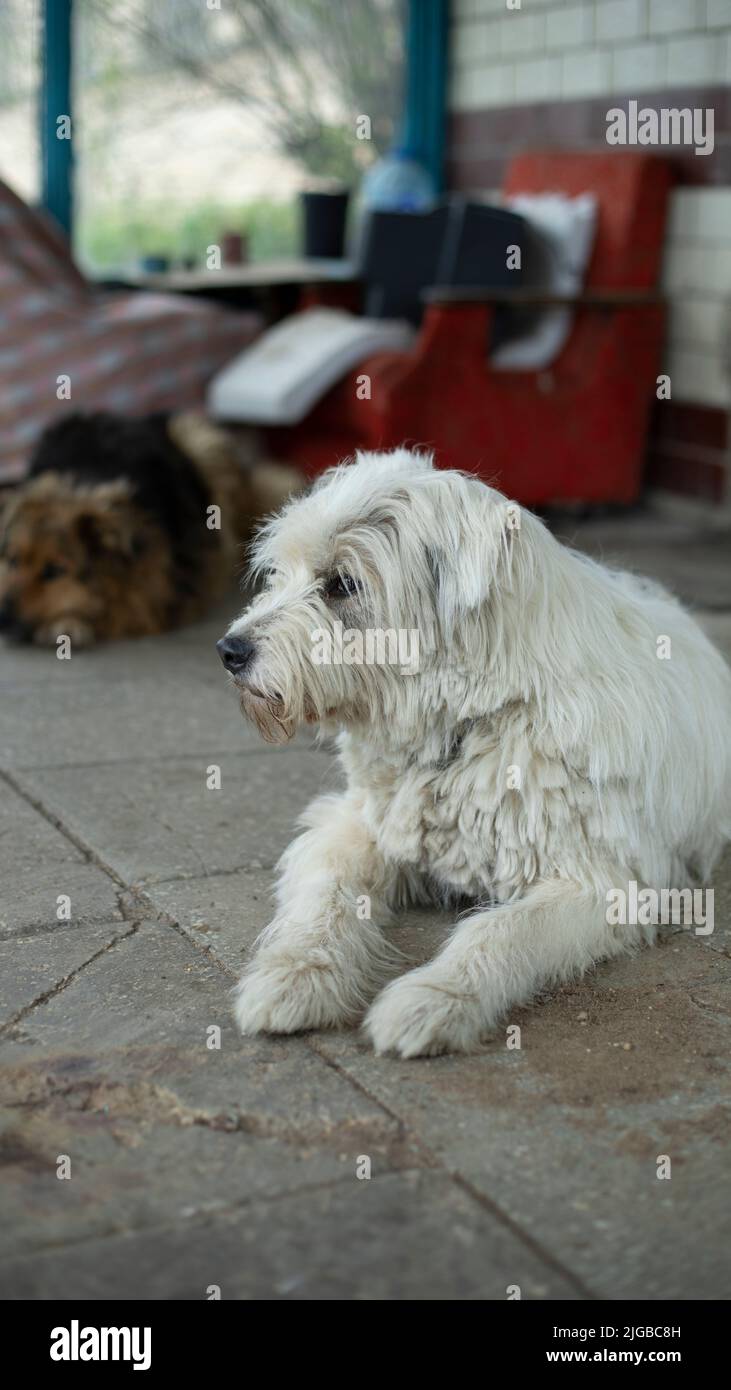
[(531, 657)]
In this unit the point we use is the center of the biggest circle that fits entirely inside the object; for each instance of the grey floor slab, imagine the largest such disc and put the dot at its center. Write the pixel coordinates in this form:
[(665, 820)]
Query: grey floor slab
[(223, 913), (156, 1136), (159, 819), (39, 864), (564, 1134), (152, 987), (402, 1236), (31, 967), (151, 714), (116, 1073), (168, 654)]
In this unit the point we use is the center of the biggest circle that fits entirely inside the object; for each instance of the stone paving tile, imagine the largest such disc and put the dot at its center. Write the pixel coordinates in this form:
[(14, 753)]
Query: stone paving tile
[(39, 863), (564, 1133), (30, 967), (167, 656), (151, 714), (222, 913), (159, 820), (117, 1072), (399, 1236), (152, 987)]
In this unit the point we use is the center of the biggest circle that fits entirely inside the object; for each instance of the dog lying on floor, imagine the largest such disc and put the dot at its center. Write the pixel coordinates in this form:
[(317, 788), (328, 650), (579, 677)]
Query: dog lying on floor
[(114, 534), (564, 735)]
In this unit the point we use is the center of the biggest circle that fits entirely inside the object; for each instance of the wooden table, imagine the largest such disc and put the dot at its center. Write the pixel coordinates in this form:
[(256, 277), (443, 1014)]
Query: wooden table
[(253, 275)]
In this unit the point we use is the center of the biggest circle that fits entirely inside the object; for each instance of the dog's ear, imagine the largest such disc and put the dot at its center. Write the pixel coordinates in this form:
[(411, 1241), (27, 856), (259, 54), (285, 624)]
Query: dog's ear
[(480, 543)]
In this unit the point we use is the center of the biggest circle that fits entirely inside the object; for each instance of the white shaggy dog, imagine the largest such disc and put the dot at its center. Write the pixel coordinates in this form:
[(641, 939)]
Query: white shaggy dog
[(565, 734)]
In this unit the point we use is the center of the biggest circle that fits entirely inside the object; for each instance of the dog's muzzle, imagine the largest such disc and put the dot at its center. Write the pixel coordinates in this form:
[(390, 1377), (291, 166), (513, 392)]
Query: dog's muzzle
[(266, 711), (236, 654)]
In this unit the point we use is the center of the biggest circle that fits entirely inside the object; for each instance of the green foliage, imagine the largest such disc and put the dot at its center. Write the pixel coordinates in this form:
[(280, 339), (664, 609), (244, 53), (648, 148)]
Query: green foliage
[(113, 237)]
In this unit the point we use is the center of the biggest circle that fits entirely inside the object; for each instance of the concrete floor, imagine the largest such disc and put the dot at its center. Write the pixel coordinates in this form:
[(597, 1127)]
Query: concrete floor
[(237, 1167)]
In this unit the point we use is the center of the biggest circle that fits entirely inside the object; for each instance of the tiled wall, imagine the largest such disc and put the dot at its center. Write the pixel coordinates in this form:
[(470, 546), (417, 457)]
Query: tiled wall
[(546, 74), (551, 49), (696, 278)]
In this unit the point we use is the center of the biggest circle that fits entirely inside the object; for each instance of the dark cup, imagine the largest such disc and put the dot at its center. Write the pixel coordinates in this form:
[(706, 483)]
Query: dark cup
[(323, 217)]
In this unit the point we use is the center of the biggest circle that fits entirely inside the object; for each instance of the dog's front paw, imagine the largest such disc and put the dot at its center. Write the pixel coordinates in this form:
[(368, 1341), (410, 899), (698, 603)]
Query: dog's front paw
[(416, 1016), (280, 995)]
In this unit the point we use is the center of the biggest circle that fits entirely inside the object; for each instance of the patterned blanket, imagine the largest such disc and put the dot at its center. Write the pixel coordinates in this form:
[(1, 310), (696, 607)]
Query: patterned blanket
[(65, 344)]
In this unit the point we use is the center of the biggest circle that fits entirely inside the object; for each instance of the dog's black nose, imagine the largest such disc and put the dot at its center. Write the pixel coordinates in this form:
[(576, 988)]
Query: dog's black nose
[(7, 616), (235, 653)]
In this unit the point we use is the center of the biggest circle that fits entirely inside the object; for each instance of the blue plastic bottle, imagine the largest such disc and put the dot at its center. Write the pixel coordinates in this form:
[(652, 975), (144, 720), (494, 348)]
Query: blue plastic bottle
[(397, 183)]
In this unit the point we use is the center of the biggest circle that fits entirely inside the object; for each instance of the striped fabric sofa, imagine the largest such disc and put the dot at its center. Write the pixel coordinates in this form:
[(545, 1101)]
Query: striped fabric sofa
[(124, 351)]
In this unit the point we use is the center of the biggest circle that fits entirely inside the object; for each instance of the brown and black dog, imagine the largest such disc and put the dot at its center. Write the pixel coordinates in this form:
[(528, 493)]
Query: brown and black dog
[(127, 527)]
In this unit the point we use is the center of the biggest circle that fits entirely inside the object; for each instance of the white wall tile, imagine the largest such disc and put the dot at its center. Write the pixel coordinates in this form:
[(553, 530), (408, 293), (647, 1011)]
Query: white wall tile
[(483, 87), (586, 72), (693, 59), (538, 79), (463, 48), (700, 215), (697, 376), (487, 41), (674, 16), (620, 19), (693, 266), (522, 33), (717, 14), (485, 8), (695, 322), (683, 214), (570, 27), (639, 67), (498, 7)]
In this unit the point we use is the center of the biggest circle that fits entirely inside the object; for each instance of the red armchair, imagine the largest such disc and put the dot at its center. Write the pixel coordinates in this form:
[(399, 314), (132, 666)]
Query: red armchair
[(573, 432)]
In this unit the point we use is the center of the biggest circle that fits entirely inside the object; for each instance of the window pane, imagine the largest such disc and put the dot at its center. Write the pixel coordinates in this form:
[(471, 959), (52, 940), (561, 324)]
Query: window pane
[(193, 121), (20, 155)]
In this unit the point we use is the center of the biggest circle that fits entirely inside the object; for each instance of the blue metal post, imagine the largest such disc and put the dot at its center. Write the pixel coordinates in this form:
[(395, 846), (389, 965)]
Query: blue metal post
[(57, 153), (426, 84)]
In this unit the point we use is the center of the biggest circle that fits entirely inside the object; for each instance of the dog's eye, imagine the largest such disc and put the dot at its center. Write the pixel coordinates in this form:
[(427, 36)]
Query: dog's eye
[(50, 572), (341, 586)]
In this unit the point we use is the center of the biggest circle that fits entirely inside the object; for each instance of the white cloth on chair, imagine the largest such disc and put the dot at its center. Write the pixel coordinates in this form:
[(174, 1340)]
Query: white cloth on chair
[(293, 364)]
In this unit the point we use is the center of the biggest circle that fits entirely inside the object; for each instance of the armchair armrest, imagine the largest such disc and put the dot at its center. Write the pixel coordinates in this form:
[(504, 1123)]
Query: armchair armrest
[(591, 299)]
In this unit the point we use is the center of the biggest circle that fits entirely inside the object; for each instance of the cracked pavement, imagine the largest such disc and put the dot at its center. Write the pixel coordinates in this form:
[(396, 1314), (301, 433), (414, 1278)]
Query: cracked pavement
[(195, 1166)]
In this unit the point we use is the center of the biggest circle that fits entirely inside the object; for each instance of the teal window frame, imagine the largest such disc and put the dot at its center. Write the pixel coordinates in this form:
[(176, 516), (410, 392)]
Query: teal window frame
[(57, 155), (424, 118), (425, 113)]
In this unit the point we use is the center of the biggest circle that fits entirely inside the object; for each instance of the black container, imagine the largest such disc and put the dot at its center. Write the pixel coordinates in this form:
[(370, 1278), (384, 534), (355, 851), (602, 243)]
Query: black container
[(399, 256), (323, 219)]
